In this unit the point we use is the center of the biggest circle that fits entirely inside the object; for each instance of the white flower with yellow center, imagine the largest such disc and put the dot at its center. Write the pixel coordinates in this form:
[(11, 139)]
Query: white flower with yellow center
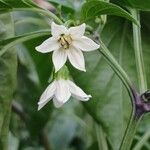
[(60, 90), (68, 43)]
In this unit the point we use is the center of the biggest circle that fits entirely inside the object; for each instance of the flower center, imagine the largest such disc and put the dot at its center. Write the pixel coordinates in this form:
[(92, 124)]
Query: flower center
[(65, 41)]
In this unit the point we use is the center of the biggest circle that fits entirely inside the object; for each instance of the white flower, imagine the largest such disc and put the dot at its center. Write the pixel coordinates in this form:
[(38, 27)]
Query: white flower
[(60, 91), (67, 43)]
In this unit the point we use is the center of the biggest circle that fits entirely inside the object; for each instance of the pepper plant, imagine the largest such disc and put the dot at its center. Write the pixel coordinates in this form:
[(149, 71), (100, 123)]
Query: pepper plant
[(115, 74)]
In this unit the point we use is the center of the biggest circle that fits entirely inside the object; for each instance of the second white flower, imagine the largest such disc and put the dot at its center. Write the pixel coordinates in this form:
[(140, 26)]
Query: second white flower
[(60, 91)]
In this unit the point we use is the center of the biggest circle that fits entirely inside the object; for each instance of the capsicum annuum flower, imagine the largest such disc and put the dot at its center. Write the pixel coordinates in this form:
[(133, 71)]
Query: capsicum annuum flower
[(68, 43), (60, 90)]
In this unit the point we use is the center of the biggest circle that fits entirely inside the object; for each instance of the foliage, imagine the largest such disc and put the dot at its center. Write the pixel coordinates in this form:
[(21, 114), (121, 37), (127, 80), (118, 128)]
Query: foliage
[(8, 66), (75, 125)]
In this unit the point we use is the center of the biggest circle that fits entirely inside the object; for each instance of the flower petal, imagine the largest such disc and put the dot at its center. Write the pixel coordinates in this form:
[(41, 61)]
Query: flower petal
[(59, 58), (85, 44), (77, 32), (56, 103), (42, 104), (76, 58), (57, 30), (48, 45), (62, 91), (77, 92), (47, 95)]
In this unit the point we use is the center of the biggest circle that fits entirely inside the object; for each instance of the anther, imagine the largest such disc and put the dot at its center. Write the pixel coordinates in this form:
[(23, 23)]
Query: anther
[(65, 41)]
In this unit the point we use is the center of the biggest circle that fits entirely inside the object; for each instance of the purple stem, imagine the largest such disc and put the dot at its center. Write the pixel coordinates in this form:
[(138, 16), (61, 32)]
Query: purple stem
[(141, 106)]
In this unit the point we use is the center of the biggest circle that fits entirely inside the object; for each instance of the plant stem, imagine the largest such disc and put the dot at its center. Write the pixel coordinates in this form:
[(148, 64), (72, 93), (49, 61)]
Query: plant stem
[(138, 52), (142, 141), (30, 20), (130, 133), (102, 143), (42, 11)]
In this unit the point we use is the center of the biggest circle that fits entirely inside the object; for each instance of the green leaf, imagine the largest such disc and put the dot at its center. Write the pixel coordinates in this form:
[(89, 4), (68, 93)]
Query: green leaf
[(8, 67), (96, 7), (110, 105), (33, 78), (145, 17), (142, 5), (8, 43), (25, 5), (10, 4), (64, 9), (26, 60), (31, 90), (29, 95), (67, 4)]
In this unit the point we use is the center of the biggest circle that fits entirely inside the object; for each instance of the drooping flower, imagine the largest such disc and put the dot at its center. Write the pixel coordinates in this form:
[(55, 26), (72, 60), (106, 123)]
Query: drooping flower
[(60, 91), (68, 43)]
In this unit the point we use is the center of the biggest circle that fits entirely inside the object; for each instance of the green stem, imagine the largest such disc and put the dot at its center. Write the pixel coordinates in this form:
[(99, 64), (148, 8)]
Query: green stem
[(142, 141), (138, 53), (130, 133), (42, 11), (5, 128), (30, 20), (102, 143)]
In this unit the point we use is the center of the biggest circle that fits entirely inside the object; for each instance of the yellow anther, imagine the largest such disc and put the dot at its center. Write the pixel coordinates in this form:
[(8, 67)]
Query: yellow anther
[(62, 41), (68, 39), (65, 41)]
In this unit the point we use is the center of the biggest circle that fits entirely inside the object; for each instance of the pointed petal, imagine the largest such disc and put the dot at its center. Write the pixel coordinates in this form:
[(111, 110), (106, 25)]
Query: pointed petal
[(57, 30), (42, 104), (62, 92), (77, 92), (76, 58), (85, 44), (47, 95), (56, 103), (48, 45), (59, 58), (78, 31)]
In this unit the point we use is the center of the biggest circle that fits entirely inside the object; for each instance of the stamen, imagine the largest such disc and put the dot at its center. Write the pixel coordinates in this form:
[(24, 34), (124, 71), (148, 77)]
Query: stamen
[(65, 41)]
